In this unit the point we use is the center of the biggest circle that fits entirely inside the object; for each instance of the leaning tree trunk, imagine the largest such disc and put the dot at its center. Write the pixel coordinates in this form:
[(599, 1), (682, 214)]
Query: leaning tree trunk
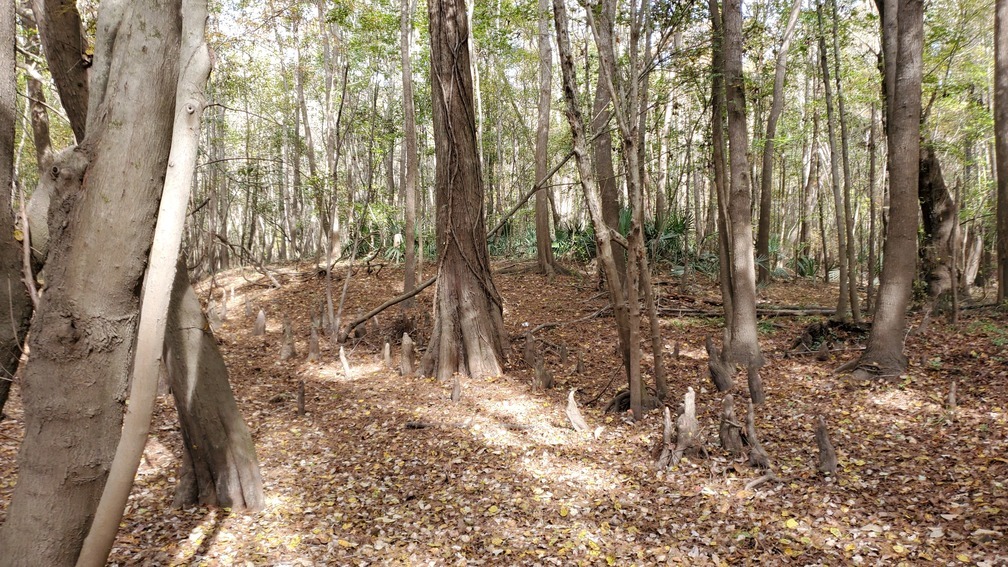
[(13, 293), (593, 198), (468, 335), (101, 224), (766, 168), (219, 464), (65, 45), (904, 20)]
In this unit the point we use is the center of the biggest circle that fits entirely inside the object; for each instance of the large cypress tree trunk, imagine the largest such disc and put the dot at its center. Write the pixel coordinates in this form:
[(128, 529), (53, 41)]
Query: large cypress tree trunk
[(902, 39), (13, 293), (101, 224), (468, 335)]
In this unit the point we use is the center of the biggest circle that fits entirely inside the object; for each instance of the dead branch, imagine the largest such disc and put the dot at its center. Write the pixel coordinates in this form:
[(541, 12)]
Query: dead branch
[(244, 252)]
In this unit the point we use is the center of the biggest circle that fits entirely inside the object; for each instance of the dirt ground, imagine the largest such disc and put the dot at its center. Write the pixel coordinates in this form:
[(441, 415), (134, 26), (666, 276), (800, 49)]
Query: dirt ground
[(501, 477)]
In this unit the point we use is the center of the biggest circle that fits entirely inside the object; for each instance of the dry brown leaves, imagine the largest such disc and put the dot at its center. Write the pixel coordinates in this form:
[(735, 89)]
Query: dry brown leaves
[(501, 478)]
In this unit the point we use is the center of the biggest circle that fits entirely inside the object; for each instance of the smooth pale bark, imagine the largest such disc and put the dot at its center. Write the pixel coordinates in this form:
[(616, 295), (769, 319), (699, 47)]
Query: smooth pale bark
[(409, 149), (1001, 140), (13, 293), (744, 346), (101, 222), (544, 248), (766, 167), (884, 353), (193, 72), (843, 301), (468, 335), (65, 45)]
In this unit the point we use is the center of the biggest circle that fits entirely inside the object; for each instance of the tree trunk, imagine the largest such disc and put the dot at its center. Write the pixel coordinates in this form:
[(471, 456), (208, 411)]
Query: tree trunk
[(603, 236), (468, 335), (766, 171), (65, 45), (544, 248), (852, 270), (872, 205), (843, 301), (904, 20), (410, 150), (14, 295), (101, 225), (744, 346), (601, 144), (718, 151), (1001, 140), (219, 466), (940, 215)]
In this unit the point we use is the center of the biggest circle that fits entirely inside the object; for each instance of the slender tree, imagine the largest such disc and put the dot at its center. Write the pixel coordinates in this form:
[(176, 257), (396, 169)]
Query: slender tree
[(13, 292), (766, 170), (1001, 140), (902, 40), (744, 345), (544, 248), (409, 147)]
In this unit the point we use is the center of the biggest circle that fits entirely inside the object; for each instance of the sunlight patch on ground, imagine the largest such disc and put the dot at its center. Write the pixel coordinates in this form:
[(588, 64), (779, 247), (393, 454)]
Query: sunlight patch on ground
[(896, 399)]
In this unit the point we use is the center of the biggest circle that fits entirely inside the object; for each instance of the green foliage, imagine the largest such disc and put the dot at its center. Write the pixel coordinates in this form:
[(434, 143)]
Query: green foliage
[(575, 240)]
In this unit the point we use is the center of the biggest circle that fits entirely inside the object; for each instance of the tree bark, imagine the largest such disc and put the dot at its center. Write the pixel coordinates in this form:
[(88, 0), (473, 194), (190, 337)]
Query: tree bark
[(410, 149), (718, 151), (744, 346), (86, 321), (1001, 140), (13, 293), (65, 45), (193, 72), (603, 235), (468, 335), (766, 170), (884, 353), (843, 301), (852, 270), (544, 248)]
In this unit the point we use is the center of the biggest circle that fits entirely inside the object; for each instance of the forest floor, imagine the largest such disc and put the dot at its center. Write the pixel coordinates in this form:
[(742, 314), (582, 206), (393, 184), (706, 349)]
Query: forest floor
[(501, 478)]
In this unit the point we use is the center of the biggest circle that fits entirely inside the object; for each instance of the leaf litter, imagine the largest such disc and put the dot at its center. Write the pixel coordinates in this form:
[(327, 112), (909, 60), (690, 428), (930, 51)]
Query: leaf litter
[(500, 477)]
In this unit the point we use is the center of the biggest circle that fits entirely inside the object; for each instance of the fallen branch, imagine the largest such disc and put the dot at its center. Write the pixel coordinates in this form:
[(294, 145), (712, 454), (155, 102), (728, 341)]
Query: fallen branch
[(248, 256), (551, 324)]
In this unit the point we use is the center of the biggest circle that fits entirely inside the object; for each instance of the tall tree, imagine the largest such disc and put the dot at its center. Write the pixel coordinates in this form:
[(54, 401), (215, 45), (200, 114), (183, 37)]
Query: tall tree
[(468, 335), (86, 321), (902, 41), (744, 346), (1001, 140), (766, 168), (409, 147), (13, 294), (843, 301), (544, 248)]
